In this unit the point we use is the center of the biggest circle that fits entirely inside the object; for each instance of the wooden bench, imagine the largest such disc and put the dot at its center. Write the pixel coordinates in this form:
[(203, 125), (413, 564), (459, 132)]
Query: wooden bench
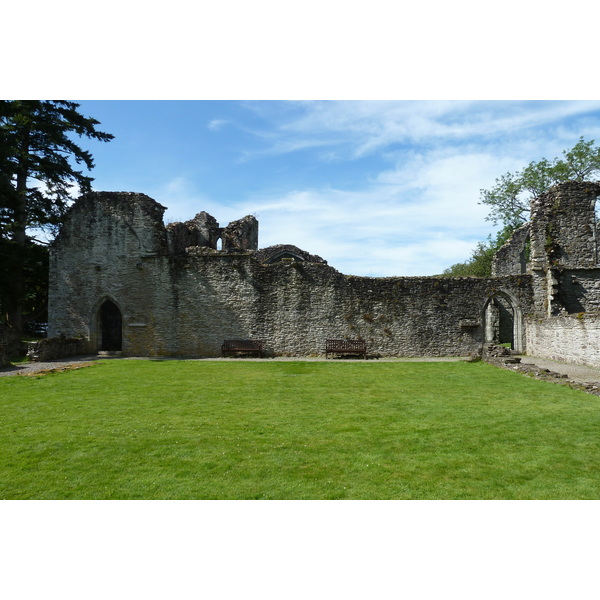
[(242, 346), (358, 347)]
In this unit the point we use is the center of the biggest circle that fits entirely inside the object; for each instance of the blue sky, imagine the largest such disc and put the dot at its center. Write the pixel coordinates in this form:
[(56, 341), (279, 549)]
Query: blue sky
[(378, 188)]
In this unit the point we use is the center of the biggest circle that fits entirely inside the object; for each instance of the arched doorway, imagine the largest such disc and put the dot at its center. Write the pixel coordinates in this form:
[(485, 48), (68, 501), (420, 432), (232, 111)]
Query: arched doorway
[(110, 327), (503, 322)]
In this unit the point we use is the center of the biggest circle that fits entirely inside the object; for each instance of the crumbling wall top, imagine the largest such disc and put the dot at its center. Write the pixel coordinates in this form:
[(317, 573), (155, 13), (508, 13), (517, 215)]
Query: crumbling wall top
[(512, 257), (124, 203), (241, 235), (563, 226), (281, 251), (202, 231), (96, 219)]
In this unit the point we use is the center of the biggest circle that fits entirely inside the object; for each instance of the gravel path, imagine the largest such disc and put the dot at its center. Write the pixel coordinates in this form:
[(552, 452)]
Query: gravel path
[(577, 373), (30, 368)]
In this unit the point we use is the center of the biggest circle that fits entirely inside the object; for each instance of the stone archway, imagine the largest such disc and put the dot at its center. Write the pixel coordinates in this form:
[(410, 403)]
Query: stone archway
[(503, 321), (110, 327)]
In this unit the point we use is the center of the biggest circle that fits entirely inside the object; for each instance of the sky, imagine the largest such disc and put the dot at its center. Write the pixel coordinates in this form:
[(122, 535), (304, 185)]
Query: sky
[(376, 188)]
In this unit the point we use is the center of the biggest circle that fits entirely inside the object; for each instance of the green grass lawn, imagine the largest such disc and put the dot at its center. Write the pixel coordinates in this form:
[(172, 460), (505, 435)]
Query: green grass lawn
[(129, 429)]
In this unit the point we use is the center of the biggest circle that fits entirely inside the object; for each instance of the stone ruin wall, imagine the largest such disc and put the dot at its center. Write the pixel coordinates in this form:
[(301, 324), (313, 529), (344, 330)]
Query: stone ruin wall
[(294, 307), (562, 244), (203, 231), (513, 256), (184, 301), (563, 227), (180, 296), (567, 338)]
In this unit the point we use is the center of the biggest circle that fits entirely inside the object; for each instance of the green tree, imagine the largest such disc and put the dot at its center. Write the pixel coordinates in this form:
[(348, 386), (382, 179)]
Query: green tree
[(509, 198), (512, 193), (480, 263), (37, 180)]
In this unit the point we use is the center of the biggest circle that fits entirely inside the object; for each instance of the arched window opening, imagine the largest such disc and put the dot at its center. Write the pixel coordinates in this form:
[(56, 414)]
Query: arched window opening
[(285, 255), (110, 327)]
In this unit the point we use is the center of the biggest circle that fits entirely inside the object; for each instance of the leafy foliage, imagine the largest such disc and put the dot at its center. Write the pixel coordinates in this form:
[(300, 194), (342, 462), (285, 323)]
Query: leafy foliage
[(509, 198), (480, 263)]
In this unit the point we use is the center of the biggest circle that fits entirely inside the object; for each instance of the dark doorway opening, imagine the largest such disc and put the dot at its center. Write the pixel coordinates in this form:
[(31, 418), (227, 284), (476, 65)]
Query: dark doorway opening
[(111, 327), (500, 322)]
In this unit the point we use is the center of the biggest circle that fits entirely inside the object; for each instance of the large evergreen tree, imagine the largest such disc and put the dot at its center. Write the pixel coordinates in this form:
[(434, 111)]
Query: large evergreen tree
[(38, 173)]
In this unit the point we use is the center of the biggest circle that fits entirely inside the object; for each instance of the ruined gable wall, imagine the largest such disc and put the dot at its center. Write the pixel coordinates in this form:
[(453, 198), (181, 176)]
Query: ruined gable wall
[(111, 246), (563, 227), (565, 322), (203, 231), (511, 258), (241, 234)]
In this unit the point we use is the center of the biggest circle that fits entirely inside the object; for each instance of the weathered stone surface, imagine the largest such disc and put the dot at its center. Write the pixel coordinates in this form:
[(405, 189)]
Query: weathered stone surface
[(172, 293), (569, 338), (563, 227), (53, 348), (512, 257), (241, 235), (186, 305), (202, 231), (286, 252)]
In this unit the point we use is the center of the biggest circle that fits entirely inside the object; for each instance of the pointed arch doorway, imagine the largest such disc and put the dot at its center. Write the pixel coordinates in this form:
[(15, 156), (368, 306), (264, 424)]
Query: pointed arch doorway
[(504, 321), (110, 327)]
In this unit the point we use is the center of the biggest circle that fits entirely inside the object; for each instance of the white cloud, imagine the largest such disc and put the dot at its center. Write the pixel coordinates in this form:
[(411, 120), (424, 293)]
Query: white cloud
[(217, 124), (355, 129), (418, 213), (417, 219), (397, 226)]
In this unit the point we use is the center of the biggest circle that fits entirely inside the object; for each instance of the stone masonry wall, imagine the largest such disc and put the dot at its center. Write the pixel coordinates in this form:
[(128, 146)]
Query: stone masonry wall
[(511, 258), (294, 307), (53, 348), (175, 303), (178, 295), (565, 320), (563, 227), (568, 338), (104, 246), (186, 305), (578, 290)]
